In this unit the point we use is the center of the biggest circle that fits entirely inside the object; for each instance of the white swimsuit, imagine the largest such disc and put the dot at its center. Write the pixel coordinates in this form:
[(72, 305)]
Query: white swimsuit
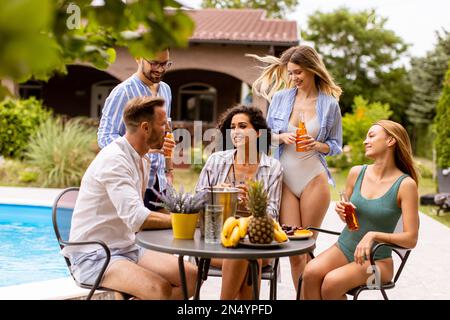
[(299, 168)]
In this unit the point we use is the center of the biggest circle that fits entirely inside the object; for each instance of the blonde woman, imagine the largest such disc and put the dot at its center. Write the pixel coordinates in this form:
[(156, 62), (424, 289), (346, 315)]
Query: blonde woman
[(382, 193), (310, 90)]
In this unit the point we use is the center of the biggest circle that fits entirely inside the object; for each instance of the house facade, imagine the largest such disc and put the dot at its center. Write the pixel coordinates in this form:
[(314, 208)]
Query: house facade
[(207, 77)]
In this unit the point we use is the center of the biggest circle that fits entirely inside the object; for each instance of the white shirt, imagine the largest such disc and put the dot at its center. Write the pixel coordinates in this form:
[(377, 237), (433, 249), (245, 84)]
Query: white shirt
[(110, 203)]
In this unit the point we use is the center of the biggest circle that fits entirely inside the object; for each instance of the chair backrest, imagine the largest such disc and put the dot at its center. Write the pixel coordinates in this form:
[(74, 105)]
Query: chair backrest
[(62, 215), (398, 229), (402, 253)]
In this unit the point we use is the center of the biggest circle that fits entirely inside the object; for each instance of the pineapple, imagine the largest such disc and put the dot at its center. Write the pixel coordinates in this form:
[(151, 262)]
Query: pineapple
[(260, 228)]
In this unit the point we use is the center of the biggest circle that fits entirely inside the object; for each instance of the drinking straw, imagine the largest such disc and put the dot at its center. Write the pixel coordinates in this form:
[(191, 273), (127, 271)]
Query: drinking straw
[(234, 175), (213, 218), (210, 187)]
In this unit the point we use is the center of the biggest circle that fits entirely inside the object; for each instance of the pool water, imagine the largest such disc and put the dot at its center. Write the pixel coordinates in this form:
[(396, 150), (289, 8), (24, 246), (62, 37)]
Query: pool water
[(29, 251)]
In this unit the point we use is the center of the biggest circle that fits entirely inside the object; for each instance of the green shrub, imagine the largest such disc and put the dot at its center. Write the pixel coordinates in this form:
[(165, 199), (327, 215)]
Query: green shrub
[(17, 173), (442, 125), (28, 176), (198, 155), (356, 124), (62, 152), (340, 161), (424, 170), (19, 119)]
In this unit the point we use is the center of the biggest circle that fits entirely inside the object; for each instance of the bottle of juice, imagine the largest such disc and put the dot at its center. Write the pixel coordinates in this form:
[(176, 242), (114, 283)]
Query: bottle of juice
[(350, 214), (301, 130), (169, 134)]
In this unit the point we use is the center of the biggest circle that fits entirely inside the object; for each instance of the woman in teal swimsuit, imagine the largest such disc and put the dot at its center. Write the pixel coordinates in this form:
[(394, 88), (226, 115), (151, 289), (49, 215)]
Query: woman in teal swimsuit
[(382, 193)]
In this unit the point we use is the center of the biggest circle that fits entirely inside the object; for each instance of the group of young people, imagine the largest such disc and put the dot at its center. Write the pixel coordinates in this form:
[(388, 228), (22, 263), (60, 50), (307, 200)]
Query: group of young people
[(115, 191)]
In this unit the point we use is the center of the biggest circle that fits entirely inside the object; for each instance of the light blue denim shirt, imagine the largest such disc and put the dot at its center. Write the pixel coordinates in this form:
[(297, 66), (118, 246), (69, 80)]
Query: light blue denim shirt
[(328, 113), (112, 126)]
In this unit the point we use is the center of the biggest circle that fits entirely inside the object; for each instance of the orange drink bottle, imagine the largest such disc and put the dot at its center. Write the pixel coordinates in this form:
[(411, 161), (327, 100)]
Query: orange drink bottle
[(169, 134), (350, 214), (301, 130)]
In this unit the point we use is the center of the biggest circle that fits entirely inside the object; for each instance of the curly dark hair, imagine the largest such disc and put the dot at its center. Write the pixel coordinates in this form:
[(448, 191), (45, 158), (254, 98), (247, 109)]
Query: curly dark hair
[(257, 120)]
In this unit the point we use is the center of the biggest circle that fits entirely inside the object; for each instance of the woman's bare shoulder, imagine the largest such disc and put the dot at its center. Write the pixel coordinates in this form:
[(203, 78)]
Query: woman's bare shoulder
[(354, 171)]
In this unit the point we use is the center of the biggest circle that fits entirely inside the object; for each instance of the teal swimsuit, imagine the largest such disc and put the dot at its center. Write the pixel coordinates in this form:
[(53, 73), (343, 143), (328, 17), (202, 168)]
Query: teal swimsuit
[(381, 214)]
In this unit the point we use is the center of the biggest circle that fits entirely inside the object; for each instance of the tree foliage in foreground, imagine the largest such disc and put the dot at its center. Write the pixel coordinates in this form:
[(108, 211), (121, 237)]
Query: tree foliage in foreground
[(39, 38)]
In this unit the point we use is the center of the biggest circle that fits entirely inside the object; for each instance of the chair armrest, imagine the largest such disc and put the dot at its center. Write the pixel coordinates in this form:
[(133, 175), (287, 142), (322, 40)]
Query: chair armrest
[(105, 265), (83, 243), (385, 244), (323, 230)]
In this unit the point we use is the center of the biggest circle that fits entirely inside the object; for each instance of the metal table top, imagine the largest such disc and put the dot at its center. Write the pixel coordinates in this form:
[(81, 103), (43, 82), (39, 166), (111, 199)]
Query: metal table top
[(163, 241)]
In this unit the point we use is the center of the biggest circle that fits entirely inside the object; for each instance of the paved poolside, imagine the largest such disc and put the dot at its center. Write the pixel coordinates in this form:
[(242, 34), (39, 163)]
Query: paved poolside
[(426, 275)]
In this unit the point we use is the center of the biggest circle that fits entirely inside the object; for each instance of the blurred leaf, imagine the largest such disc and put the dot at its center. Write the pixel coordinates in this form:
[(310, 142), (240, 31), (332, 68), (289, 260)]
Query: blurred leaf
[(36, 41)]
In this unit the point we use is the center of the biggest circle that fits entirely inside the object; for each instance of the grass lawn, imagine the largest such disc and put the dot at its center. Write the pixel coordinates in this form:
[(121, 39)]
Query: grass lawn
[(188, 179)]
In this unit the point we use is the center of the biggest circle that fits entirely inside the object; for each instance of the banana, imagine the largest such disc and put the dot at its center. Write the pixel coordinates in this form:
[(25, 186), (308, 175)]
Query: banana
[(228, 226), (243, 226), (277, 226), (225, 241), (235, 236), (280, 236)]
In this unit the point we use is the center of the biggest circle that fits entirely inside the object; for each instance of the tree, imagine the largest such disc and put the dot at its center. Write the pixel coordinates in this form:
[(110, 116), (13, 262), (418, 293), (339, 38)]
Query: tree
[(363, 57), (356, 124), (40, 38), (442, 121), (427, 77), (274, 9)]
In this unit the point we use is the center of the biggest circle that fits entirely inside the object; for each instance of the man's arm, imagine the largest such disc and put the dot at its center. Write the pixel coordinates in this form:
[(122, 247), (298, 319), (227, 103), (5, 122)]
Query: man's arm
[(157, 220)]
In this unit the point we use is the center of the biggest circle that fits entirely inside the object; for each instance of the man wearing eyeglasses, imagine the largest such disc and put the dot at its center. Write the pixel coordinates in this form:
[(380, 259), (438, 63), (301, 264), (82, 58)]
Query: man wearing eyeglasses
[(145, 82)]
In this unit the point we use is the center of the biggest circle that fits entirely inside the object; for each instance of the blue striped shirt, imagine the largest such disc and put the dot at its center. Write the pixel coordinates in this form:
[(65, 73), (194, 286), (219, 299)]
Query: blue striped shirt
[(328, 113), (112, 126)]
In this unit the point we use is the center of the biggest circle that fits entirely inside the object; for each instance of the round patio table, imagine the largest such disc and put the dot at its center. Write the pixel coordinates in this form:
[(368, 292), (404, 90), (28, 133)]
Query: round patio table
[(163, 241)]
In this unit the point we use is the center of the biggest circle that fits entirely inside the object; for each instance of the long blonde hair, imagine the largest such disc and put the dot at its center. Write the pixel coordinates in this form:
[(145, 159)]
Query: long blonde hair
[(403, 151), (274, 76)]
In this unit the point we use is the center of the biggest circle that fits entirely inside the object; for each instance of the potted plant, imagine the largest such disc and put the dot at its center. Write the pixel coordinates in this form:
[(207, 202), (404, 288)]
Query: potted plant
[(184, 210)]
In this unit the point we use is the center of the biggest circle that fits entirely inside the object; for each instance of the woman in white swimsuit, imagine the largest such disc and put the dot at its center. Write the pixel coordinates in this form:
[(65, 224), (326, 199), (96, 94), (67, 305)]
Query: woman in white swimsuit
[(311, 91)]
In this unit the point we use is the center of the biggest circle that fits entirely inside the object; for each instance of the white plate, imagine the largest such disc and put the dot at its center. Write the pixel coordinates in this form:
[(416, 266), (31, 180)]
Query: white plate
[(246, 243), (304, 236)]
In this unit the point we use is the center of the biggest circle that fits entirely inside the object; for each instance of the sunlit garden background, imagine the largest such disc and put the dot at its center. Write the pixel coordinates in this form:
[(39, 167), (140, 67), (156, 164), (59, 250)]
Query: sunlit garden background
[(41, 149)]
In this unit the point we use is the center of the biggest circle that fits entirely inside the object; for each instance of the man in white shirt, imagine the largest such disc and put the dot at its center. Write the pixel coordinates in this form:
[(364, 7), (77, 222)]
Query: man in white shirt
[(110, 208)]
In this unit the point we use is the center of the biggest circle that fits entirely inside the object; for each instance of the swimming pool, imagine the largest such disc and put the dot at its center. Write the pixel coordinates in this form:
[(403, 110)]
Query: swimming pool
[(29, 251)]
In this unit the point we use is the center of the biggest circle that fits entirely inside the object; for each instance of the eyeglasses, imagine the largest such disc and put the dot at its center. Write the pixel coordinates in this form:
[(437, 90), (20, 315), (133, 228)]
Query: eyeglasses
[(156, 64)]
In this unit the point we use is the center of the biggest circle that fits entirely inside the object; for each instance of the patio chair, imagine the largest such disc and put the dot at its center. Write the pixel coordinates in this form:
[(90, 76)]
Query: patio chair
[(270, 272), (403, 254), (62, 218)]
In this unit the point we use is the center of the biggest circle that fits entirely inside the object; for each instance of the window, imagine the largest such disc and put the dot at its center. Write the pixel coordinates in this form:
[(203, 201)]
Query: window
[(31, 89), (197, 102)]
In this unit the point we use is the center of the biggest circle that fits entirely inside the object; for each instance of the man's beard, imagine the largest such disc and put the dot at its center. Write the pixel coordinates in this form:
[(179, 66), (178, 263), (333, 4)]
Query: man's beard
[(155, 144), (151, 77)]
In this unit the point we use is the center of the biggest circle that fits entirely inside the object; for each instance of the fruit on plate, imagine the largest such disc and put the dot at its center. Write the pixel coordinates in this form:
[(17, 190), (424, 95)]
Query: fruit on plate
[(234, 230), (302, 232), (290, 230), (279, 234), (260, 228), (243, 226), (230, 232)]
